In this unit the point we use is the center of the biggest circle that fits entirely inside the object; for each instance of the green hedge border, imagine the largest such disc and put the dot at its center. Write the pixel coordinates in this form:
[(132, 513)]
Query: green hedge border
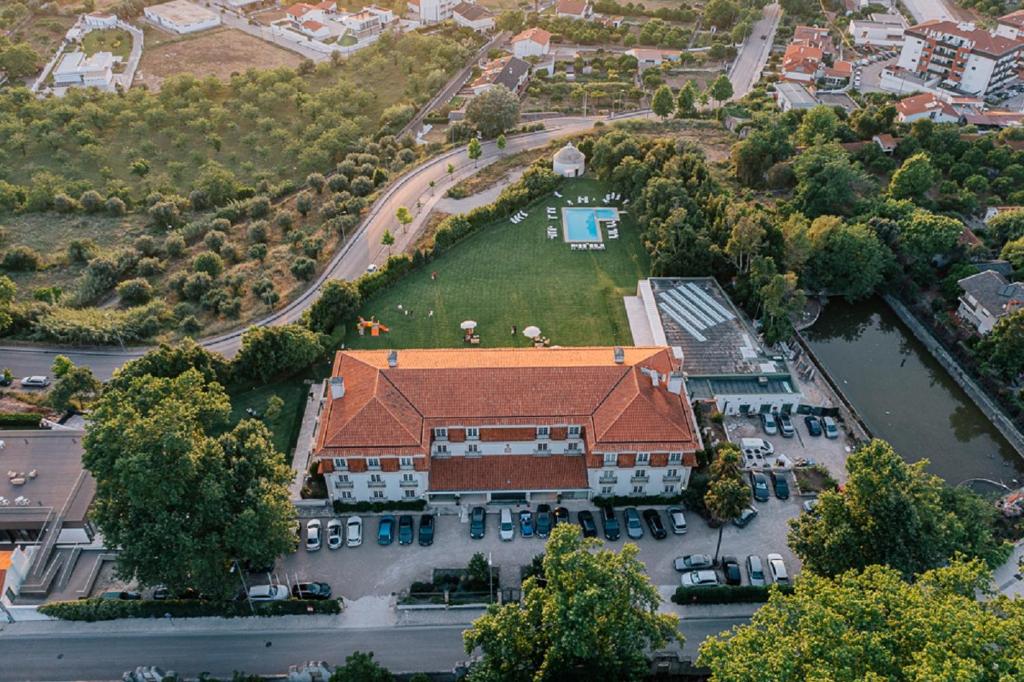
[(15, 419), (379, 507), (92, 610), (727, 594)]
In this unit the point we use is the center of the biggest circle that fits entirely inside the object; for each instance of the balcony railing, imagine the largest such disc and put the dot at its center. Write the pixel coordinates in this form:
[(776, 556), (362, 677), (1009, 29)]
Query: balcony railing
[(342, 484), (672, 479), (376, 484), (640, 479), (608, 480), (408, 484)]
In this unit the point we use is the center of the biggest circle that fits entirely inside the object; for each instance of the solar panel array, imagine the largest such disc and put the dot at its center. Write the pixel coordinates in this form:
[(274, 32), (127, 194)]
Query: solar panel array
[(693, 309)]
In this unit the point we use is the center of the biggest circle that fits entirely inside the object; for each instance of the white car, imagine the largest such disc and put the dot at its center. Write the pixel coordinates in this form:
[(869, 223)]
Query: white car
[(507, 529), (268, 592), (35, 382), (677, 520), (705, 578), (354, 531), (334, 535), (777, 567), (755, 570), (313, 538)]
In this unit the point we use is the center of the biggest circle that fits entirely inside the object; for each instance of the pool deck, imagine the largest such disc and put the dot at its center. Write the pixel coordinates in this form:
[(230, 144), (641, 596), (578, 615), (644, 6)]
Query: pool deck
[(593, 215)]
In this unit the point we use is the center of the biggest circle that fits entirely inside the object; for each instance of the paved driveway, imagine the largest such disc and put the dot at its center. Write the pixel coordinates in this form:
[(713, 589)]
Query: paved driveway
[(375, 570), (831, 454)]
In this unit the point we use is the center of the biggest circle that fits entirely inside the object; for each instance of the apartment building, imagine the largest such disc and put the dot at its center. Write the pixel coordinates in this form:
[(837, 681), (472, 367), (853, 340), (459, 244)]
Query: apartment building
[(505, 425), (432, 11), (879, 30)]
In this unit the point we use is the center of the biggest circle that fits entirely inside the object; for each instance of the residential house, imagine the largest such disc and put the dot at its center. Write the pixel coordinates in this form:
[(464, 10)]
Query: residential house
[(802, 63), (533, 42), (97, 20), (992, 211), (574, 9), (925, 106), (647, 57), (859, 5), (994, 119), (814, 36), (362, 22), (432, 11), (1011, 26), (181, 16), (511, 72), (880, 30), (838, 74), (886, 142), (793, 96), (314, 29), (77, 70), (473, 16), (986, 298), (473, 426)]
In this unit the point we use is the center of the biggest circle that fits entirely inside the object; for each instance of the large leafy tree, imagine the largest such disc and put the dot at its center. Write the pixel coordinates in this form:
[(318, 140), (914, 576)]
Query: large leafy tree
[(780, 299), (845, 259), (727, 495), (360, 667), (494, 111), (914, 178), (171, 361), (827, 181), (593, 615), (271, 351), (875, 626), (893, 513), (662, 103), (181, 503), (926, 234), (1003, 348), (339, 301), (819, 125), (74, 384)]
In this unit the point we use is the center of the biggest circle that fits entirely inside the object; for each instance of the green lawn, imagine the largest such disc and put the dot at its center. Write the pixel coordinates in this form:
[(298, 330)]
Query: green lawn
[(514, 275), (112, 40)]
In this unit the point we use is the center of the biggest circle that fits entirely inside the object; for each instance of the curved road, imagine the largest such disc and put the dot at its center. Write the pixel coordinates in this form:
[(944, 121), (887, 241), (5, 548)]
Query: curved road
[(349, 262)]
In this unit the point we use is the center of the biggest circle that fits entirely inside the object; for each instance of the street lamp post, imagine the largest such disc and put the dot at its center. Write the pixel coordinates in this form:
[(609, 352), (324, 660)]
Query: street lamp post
[(490, 576)]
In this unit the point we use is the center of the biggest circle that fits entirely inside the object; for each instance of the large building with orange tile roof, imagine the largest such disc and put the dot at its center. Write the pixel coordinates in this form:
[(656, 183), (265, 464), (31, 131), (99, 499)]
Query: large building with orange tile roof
[(481, 425)]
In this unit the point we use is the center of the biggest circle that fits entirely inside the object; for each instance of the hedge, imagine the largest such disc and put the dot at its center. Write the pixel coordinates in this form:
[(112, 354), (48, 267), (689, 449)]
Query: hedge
[(378, 507), (727, 594), (19, 419), (636, 500), (92, 610)]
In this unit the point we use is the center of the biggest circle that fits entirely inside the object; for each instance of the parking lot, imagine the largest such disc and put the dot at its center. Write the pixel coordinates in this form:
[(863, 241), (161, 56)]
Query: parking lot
[(375, 570), (830, 453)]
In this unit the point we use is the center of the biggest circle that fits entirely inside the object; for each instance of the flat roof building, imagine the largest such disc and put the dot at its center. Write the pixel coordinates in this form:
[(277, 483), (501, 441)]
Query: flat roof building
[(181, 16)]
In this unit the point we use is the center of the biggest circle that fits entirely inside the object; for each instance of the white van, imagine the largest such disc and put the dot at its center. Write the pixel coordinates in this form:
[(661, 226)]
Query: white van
[(756, 447), (506, 530)]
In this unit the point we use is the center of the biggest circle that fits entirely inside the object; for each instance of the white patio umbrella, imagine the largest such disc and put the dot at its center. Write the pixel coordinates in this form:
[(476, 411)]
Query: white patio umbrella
[(531, 332), (468, 324)]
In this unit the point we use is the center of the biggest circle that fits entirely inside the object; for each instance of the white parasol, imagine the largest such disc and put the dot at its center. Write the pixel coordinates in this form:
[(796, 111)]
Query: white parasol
[(468, 324), (531, 332)]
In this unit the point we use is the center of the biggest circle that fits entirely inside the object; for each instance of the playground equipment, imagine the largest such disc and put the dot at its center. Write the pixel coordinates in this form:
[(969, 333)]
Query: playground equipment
[(375, 327)]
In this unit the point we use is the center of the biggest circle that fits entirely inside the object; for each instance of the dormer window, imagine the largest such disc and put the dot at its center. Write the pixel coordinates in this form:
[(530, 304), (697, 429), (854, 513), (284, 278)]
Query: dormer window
[(472, 433), (543, 431), (373, 463), (643, 457), (340, 463), (441, 434), (675, 458), (574, 431), (611, 458)]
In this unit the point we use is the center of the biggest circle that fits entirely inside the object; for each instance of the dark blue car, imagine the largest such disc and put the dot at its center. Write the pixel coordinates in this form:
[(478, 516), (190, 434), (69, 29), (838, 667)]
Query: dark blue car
[(813, 425), (386, 530), (526, 523)]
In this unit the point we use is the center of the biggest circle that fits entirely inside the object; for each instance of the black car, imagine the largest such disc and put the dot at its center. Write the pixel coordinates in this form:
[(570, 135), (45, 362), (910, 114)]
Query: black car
[(813, 425), (561, 515), (610, 523), (544, 520), (759, 484), (745, 517), (311, 591), (654, 522), (477, 522), (731, 569), (586, 521), (405, 529), (426, 530), (780, 485)]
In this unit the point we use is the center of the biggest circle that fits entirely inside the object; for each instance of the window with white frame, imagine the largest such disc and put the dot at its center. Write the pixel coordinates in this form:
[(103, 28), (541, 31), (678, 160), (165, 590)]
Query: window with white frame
[(408, 478), (376, 478), (542, 447), (574, 431), (670, 488), (341, 481), (638, 490), (373, 463), (543, 431), (340, 463), (675, 458), (441, 449), (572, 446), (643, 457), (472, 433), (378, 494), (346, 494), (441, 433), (405, 462), (611, 458), (640, 473), (606, 490), (671, 473), (472, 449), (409, 492)]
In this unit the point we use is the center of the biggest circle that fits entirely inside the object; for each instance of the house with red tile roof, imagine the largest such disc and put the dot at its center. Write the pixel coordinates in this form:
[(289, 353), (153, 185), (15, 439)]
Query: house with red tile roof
[(505, 424), (533, 42), (1011, 25), (574, 9), (814, 36), (925, 105), (801, 63)]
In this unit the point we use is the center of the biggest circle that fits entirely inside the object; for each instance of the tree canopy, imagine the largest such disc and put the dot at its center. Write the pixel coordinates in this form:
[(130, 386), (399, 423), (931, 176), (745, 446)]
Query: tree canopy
[(271, 351), (493, 111)]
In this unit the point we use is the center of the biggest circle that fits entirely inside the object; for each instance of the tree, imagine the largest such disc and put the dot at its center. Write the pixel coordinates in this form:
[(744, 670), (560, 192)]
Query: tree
[(662, 103), (872, 625), (1003, 348), (686, 100), (272, 411), (1007, 225), (317, 181), (927, 234), (8, 290), (182, 504), (19, 60), (896, 514), (304, 203), (1013, 251), (721, 88), (172, 361), (746, 236), (501, 142), (474, 150), (493, 111), (593, 616), (845, 259), (60, 366), (781, 299), (360, 667), (302, 268), (136, 291), (339, 301), (403, 216), (827, 181), (388, 240), (73, 385), (818, 126), (218, 184), (208, 262), (727, 494), (721, 13), (270, 351), (914, 178)]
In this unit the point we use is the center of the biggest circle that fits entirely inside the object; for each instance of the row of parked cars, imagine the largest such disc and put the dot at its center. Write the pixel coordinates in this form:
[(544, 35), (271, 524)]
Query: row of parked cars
[(781, 424), (539, 524), (698, 570), (350, 534)]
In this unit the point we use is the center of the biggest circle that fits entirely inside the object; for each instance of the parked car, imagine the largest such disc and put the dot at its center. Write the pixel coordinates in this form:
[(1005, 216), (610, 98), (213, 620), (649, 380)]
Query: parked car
[(386, 530), (755, 570), (506, 529), (268, 593), (561, 515), (655, 524), (676, 520), (786, 426), (830, 427), (759, 483), (354, 531), (780, 485), (313, 539), (693, 562), (5, 377), (706, 578), (317, 591), (810, 504), (405, 529), (526, 523), (121, 595), (544, 520), (768, 424), (334, 534), (610, 523), (731, 570), (813, 425), (426, 534), (745, 517), (634, 529), (477, 523), (586, 520), (36, 381), (777, 567)]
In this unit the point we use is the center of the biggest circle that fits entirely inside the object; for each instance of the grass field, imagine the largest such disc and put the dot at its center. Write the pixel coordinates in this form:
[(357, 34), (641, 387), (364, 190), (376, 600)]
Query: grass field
[(514, 275), (113, 40)]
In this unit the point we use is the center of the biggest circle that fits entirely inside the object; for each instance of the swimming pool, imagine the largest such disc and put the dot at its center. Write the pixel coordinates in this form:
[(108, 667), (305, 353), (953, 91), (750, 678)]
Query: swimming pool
[(583, 224)]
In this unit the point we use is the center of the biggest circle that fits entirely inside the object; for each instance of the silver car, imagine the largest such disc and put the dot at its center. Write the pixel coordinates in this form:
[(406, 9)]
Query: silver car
[(313, 539), (777, 567), (692, 562), (755, 570), (354, 532), (676, 519), (707, 578)]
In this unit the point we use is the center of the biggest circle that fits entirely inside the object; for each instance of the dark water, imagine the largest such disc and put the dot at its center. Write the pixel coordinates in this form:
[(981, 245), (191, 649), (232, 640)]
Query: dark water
[(906, 397)]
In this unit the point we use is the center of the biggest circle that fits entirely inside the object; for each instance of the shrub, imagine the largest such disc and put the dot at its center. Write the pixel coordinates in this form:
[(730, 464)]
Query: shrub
[(258, 232), (116, 206), (208, 262), (22, 259), (62, 203), (303, 268), (82, 250), (195, 285), (379, 507), (148, 267), (338, 183), (727, 594), (214, 240), (14, 420), (258, 207), (174, 245), (91, 326), (92, 610), (91, 201), (135, 291), (284, 220), (258, 252), (146, 245)]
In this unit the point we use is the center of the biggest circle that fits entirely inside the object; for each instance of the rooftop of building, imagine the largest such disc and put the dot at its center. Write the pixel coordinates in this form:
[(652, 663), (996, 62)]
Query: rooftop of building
[(1013, 19), (42, 473), (983, 41), (795, 93), (471, 11), (574, 7), (923, 103), (993, 292), (537, 35), (77, 62), (182, 12)]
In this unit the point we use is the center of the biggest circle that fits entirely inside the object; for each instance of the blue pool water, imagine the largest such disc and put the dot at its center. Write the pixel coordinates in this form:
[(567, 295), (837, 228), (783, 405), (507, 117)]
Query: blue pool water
[(581, 224)]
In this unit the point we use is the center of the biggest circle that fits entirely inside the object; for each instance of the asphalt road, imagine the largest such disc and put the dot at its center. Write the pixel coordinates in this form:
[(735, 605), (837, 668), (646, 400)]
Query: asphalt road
[(106, 655), (349, 262), (923, 10), (753, 56)]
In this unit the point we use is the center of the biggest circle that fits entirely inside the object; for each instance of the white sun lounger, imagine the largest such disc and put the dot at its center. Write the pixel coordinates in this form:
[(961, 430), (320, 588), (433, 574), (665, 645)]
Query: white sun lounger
[(558, 194)]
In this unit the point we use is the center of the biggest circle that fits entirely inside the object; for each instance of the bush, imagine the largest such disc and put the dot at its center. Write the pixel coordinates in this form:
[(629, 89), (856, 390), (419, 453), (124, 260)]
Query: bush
[(303, 268), (91, 201), (258, 232), (96, 327), (379, 507), (82, 250), (727, 594), (135, 291), (22, 259), (17, 420), (208, 262), (214, 240), (116, 207), (92, 610), (174, 245)]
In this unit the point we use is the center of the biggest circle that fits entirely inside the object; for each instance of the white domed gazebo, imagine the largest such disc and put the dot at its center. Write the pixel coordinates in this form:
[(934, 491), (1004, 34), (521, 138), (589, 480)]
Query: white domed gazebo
[(569, 162)]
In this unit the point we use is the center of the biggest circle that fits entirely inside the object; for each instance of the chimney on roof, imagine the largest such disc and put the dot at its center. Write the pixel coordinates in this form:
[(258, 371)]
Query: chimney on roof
[(620, 355), (393, 359), (655, 378), (337, 385), (675, 382)]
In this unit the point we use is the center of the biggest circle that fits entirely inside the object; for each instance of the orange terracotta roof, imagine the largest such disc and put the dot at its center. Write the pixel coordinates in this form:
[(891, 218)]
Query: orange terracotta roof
[(574, 7), (537, 35), (508, 472), (298, 9), (312, 25), (801, 59), (985, 42), (924, 103), (1015, 19)]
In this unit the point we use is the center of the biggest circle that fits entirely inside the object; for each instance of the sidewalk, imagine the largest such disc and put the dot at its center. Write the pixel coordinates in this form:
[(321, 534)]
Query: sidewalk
[(1008, 578), (304, 443)]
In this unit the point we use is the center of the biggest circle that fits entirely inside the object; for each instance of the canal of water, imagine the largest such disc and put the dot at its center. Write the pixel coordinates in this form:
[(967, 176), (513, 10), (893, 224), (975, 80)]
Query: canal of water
[(906, 397)]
